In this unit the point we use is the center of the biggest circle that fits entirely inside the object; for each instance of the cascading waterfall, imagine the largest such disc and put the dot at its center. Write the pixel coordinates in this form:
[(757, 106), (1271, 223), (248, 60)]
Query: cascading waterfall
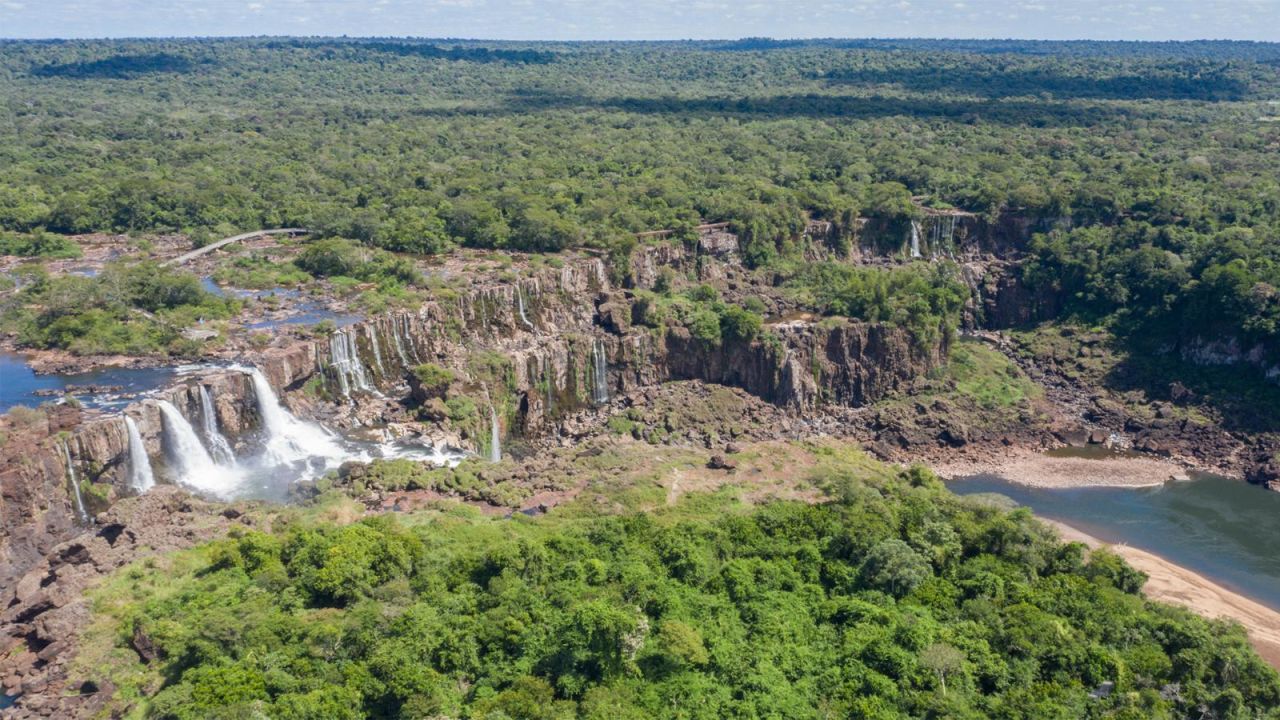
[(141, 478), (219, 448), (194, 465), (600, 391), (346, 363), (395, 336), (371, 331), (495, 436), (942, 233), (520, 306), (915, 239), (288, 439), (75, 484)]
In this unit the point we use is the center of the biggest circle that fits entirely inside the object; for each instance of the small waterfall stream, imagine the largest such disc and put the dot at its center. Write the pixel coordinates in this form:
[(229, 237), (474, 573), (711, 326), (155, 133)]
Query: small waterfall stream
[(915, 239), (495, 436), (75, 484), (345, 354), (219, 448), (520, 306), (395, 335), (141, 478), (371, 331), (193, 464), (600, 371)]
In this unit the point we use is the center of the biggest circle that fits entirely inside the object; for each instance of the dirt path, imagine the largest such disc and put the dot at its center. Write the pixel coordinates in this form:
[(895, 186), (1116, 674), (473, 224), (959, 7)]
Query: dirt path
[(1179, 586)]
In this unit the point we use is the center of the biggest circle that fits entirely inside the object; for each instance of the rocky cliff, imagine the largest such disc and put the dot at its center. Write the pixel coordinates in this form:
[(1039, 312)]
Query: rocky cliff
[(536, 349)]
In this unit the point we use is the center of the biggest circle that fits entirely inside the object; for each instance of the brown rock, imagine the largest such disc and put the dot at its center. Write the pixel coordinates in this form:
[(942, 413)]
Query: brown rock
[(720, 462), (143, 645)]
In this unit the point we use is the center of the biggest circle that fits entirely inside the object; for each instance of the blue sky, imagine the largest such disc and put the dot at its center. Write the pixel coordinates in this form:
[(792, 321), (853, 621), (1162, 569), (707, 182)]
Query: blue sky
[(648, 19)]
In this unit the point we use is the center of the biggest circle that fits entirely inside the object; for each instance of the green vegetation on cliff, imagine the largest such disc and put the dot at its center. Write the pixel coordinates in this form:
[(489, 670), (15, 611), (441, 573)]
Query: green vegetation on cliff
[(893, 599)]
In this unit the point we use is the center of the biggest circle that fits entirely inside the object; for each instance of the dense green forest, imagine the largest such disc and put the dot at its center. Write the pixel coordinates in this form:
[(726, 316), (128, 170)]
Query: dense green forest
[(1156, 159), (894, 599)]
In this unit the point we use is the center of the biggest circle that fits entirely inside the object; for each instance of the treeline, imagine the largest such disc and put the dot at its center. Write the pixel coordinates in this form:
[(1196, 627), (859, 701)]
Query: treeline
[(895, 600), (397, 146)]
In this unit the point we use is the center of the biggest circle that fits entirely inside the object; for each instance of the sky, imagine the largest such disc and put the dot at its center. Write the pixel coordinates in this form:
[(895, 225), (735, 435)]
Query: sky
[(648, 19)]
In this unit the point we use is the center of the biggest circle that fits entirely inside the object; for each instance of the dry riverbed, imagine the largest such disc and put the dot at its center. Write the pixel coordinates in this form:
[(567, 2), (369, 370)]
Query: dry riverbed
[(1036, 469)]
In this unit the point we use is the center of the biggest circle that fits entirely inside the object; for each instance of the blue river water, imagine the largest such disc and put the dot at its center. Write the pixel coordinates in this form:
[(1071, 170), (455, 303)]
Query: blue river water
[(1221, 528), (18, 383)]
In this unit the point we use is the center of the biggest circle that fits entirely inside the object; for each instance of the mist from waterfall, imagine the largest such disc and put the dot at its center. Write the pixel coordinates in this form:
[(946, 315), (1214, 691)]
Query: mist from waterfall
[(141, 478), (192, 464), (219, 447)]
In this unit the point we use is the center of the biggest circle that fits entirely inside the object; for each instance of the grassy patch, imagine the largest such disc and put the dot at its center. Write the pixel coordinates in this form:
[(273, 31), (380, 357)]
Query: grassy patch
[(988, 377)]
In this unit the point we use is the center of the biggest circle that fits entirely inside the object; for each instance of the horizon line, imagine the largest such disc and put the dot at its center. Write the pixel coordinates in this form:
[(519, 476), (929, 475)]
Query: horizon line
[(805, 38)]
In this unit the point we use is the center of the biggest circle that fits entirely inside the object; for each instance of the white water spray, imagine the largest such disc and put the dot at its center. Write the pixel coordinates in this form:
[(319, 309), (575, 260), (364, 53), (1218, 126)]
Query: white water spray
[(600, 365), (75, 484), (219, 448), (141, 478), (288, 439), (915, 239), (194, 465)]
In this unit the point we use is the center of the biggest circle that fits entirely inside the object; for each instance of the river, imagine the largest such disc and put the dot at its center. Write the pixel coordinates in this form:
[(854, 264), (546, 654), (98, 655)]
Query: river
[(19, 385), (1223, 529)]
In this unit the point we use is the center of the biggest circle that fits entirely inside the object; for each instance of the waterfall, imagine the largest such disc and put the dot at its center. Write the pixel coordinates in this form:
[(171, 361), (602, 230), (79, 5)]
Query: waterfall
[(600, 391), (372, 331), (288, 439), (915, 239), (140, 475), (194, 465), (395, 335), (75, 484), (520, 305), (346, 362), (495, 437), (219, 448)]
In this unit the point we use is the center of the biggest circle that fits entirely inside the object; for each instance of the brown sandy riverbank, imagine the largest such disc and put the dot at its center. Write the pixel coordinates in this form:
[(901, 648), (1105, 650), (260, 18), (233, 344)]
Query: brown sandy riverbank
[(1177, 585), (1035, 469)]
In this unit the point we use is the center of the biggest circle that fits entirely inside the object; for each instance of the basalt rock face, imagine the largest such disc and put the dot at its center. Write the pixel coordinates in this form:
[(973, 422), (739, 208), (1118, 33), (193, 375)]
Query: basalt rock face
[(951, 234), (565, 341), (1002, 299), (39, 463), (844, 363)]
